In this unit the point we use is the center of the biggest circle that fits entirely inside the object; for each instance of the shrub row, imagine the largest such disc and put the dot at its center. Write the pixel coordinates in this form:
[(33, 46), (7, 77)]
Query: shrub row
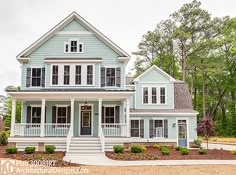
[(30, 149), (134, 148)]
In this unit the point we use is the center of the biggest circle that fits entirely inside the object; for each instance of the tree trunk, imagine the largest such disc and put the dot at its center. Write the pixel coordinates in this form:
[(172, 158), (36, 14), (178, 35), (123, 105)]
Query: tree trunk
[(223, 120), (184, 63), (203, 91)]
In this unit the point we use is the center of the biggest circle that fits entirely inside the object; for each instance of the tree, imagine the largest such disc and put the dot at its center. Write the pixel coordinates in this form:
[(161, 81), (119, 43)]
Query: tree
[(206, 127)]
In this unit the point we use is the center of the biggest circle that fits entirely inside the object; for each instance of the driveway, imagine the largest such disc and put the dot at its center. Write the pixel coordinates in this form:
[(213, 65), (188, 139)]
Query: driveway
[(219, 146)]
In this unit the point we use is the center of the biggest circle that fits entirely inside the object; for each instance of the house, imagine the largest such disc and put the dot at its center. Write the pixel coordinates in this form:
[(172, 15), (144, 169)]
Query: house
[(76, 96)]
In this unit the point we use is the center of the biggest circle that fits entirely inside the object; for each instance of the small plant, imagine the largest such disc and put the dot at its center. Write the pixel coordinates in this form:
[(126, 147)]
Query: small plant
[(177, 148), (3, 138), (156, 146), (137, 149), (161, 147), (118, 148), (11, 150), (30, 149), (202, 151), (233, 151), (197, 143), (49, 149), (144, 148), (184, 151), (164, 150)]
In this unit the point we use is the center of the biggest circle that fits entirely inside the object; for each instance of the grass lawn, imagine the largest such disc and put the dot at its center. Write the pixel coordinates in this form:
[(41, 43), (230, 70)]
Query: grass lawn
[(219, 139)]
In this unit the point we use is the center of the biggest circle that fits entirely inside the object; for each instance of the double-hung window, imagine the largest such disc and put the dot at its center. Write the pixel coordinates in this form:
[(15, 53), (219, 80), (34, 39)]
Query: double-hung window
[(109, 114), (154, 95), (73, 46), (159, 128), (162, 95), (137, 128), (66, 75), (36, 77), (145, 95), (54, 74), (36, 115), (61, 114), (78, 74), (89, 74), (110, 76)]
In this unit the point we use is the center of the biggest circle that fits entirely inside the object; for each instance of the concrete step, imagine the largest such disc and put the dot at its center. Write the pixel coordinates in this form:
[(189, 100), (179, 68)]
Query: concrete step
[(85, 139), (85, 148), (85, 144)]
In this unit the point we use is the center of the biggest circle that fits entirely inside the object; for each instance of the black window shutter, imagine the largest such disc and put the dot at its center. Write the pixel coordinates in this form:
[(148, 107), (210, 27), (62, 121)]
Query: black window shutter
[(118, 76), (151, 129), (45, 114), (103, 70), (28, 77), (117, 114), (103, 110), (166, 128), (141, 128), (68, 114), (54, 113), (43, 77), (28, 120)]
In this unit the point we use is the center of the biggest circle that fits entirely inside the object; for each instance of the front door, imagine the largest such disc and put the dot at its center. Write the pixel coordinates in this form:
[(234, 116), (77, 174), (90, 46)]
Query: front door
[(85, 121), (182, 133)]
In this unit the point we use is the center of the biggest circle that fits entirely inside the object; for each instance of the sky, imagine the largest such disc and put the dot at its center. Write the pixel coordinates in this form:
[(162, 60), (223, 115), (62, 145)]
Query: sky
[(123, 21)]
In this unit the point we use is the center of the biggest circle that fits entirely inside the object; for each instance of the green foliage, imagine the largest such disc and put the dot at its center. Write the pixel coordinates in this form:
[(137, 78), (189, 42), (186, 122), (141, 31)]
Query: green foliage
[(11, 150), (156, 146), (197, 143), (177, 148), (164, 150), (30, 149), (202, 151), (184, 151), (137, 148), (49, 149), (233, 151), (3, 138), (118, 148)]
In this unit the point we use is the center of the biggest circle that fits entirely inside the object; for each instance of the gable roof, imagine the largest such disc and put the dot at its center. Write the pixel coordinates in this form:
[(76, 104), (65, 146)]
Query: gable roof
[(159, 70), (61, 25)]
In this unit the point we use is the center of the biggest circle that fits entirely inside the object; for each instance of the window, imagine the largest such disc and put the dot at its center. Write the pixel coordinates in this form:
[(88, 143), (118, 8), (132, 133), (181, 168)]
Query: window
[(89, 74), (154, 95), (36, 115), (134, 128), (109, 114), (55, 75), (158, 125), (73, 46), (162, 95), (145, 95), (61, 114), (78, 75), (36, 77), (110, 77), (66, 75)]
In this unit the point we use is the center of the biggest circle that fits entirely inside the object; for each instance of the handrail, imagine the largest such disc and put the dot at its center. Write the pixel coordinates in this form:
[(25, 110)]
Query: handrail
[(102, 138), (68, 139)]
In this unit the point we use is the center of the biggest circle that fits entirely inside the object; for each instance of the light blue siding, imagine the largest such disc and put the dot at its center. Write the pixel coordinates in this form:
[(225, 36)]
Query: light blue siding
[(74, 26)]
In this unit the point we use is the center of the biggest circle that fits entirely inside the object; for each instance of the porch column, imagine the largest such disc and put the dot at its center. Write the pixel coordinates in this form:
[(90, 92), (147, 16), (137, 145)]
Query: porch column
[(127, 118), (13, 117), (99, 115), (42, 126), (72, 115)]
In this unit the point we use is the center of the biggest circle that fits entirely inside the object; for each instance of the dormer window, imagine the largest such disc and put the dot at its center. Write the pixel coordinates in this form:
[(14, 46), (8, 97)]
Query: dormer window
[(73, 46)]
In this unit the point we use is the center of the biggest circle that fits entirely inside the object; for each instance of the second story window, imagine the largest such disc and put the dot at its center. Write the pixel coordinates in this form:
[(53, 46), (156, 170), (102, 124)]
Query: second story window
[(154, 95), (89, 75), (36, 77), (162, 95), (78, 74), (73, 46), (110, 77), (66, 75), (55, 75), (145, 95)]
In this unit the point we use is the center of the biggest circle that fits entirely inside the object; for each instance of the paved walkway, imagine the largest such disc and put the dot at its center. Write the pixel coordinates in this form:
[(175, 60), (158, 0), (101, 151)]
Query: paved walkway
[(219, 146), (104, 161)]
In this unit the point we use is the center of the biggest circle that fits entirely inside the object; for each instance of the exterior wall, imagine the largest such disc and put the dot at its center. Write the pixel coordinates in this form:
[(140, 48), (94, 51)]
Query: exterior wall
[(54, 48), (172, 131), (74, 26)]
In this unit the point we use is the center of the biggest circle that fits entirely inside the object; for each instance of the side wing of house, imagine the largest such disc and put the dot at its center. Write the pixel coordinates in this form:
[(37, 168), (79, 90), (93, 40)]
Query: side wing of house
[(161, 109)]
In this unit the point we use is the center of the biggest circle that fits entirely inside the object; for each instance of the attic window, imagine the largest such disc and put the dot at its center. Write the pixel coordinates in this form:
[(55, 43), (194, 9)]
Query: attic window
[(73, 46)]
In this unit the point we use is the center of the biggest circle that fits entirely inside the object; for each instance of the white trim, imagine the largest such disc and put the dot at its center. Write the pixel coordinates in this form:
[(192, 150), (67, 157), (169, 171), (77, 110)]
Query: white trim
[(123, 58), (36, 105), (187, 126), (74, 32), (23, 60), (59, 105), (138, 126), (65, 22), (159, 70), (31, 117), (163, 113), (31, 76), (63, 106), (79, 120), (109, 105), (104, 115), (135, 139), (72, 61)]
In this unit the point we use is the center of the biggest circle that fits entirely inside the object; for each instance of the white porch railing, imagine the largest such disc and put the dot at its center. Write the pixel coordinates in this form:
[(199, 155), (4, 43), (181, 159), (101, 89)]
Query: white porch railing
[(34, 129), (68, 139), (114, 129), (102, 138)]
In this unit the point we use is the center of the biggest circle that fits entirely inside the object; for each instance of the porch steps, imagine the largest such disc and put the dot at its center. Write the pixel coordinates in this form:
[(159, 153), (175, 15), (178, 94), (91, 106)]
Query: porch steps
[(85, 146)]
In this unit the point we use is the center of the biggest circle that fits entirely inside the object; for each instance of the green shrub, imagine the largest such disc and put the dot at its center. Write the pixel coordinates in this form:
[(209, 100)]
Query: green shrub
[(118, 148), (233, 151), (137, 149), (164, 150), (197, 143), (11, 150), (3, 138), (161, 147), (29, 149), (177, 148), (49, 149), (184, 151), (202, 151), (156, 146)]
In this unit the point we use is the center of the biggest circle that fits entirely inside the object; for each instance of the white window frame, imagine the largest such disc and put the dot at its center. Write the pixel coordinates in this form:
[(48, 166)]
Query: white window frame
[(87, 74), (78, 74), (156, 127), (138, 128), (109, 106), (32, 77), (61, 106), (35, 106), (158, 100), (53, 74), (69, 46), (113, 67), (64, 75)]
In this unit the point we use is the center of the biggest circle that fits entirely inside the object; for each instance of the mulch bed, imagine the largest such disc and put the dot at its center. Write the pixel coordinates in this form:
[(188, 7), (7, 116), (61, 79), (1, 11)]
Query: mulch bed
[(154, 154), (57, 156)]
